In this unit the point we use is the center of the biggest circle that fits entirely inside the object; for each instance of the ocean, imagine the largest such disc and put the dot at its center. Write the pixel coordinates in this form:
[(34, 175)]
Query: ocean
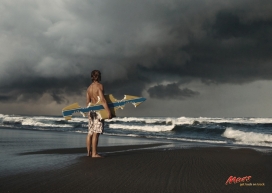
[(26, 140), (236, 132)]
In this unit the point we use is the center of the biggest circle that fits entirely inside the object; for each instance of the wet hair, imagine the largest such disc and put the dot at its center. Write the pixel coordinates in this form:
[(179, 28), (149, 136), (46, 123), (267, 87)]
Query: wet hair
[(96, 75)]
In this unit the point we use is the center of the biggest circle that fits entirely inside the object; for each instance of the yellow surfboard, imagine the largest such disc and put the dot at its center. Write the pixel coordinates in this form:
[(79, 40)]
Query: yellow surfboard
[(113, 104)]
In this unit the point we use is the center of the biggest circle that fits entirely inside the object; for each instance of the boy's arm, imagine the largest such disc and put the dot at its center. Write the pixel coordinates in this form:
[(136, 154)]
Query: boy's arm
[(103, 101), (87, 98)]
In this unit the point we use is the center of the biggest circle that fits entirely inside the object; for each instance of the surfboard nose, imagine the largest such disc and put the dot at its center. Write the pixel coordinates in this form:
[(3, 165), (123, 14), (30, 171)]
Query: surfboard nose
[(69, 110), (136, 101), (71, 107)]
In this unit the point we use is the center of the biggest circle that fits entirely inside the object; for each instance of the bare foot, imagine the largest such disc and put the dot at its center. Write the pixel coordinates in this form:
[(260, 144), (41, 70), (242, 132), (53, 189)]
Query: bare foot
[(97, 156), (89, 154)]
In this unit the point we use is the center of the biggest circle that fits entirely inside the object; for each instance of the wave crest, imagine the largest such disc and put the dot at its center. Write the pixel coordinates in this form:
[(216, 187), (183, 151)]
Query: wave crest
[(149, 128), (248, 138)]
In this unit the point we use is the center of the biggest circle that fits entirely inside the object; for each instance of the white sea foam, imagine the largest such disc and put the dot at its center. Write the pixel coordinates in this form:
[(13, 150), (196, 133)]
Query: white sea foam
[(33, 122), (199, 140), (151, 128), (190, 120), (248, 138), (126, 119), (136, 119), (152, 120), (12, 119), (73, 120), (78, 131), (148, 120), (121, 135)]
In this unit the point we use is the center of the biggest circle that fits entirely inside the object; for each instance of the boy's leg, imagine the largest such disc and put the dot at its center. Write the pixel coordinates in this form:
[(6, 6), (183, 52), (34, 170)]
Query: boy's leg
[(89, 144), (94, 144)]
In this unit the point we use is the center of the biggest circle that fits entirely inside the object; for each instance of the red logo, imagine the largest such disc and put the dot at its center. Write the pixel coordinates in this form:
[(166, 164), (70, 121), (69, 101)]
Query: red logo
[(234, 179)]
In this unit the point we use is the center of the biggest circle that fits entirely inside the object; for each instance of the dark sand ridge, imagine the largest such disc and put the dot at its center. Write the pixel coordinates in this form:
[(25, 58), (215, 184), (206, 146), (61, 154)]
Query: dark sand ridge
[(151, 170)]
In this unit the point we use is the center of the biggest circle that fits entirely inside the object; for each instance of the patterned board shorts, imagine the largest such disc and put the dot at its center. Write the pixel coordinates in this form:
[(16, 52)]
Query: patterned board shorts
[(96, 125)]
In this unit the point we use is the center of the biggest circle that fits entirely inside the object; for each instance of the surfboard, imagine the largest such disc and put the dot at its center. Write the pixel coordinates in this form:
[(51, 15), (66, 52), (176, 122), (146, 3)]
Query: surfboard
[(113, 105)]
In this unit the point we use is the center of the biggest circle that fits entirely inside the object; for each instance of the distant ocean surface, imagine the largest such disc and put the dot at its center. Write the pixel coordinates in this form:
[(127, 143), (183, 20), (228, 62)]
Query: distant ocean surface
[(255, 132)]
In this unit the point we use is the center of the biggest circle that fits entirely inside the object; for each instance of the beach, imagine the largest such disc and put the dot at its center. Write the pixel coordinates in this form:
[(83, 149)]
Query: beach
[(129, 165)]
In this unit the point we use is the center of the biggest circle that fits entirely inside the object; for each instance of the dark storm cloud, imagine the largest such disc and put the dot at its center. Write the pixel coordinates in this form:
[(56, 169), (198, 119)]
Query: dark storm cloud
[(229, 25), (4, 98), (57, 97), (170, 91), (51, 47), (230, 52), (34, 88)]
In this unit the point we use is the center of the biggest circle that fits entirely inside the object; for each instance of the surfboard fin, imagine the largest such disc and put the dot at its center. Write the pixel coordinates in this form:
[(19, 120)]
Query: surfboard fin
[(110, 98), (67, 118)]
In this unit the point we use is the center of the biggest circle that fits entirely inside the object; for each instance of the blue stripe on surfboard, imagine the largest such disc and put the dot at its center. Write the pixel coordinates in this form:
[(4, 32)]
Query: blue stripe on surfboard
[(100, 107)]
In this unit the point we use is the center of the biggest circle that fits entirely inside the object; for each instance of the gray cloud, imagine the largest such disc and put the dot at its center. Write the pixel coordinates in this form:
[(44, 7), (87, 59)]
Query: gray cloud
[(171, 91), (51, 47), (4, 98)]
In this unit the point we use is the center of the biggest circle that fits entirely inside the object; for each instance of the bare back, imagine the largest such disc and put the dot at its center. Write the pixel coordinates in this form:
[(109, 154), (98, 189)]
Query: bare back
[(93, 92)]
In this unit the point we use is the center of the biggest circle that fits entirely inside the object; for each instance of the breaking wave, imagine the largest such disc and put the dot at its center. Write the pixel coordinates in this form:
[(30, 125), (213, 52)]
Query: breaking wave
[(248, 138)]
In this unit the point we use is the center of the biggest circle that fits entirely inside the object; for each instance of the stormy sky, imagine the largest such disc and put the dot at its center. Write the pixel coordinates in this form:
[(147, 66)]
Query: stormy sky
[(188, 58)]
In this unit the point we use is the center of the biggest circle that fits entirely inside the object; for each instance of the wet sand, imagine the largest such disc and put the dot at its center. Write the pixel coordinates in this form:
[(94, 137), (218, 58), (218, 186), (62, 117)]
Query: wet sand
[(132, 169)]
